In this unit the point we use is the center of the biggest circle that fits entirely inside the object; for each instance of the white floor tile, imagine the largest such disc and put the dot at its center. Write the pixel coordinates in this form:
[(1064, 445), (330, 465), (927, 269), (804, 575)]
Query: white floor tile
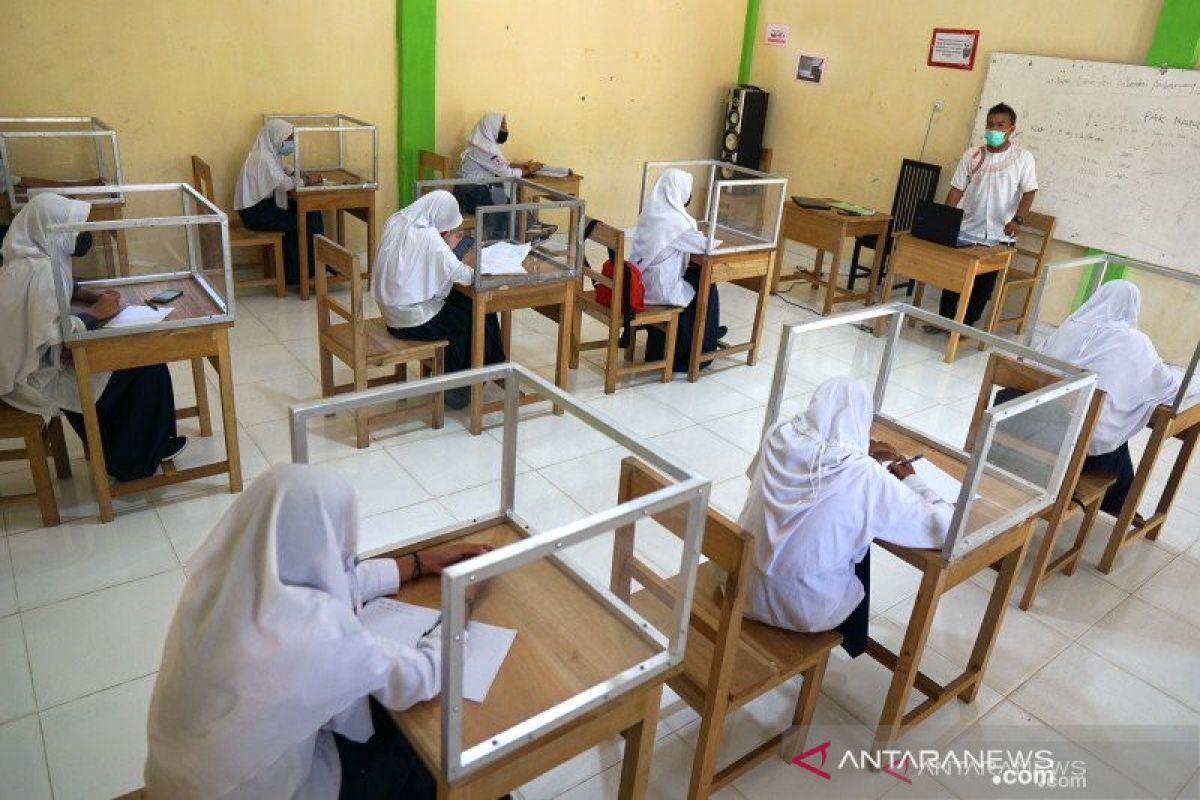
[(263, 401), (754, 382), (1176, 590), (700, 401), (52, 564), (188, 520), (99, 640), (328, 439), (1181, 530), (8, 586), (248, 331), (574, 771), (639, 414), (381, 483), (96, 746), (550, 439), (729, 496), (668, 776), (392, 529), (536, 499), (892, 580), (592, 481), (943, 423), (262, 362), (292, 324), (744, 429), (16, 686), (705, 452), (447, 464), (23, 774)]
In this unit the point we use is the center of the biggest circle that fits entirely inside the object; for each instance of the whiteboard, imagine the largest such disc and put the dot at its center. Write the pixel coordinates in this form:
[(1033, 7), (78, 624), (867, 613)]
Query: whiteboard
[(1117, 148)]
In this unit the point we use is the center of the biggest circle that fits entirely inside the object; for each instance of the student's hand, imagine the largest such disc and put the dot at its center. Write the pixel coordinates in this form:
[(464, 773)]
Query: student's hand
[(106, 306), (435, 559), (901, 470), (452, 238), (473, 592), (1011, 229), (528, 169), (882, 451)]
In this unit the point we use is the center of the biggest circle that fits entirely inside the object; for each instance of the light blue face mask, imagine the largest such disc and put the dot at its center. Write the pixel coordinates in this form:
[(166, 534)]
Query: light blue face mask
[(287, 148), (994, 138)]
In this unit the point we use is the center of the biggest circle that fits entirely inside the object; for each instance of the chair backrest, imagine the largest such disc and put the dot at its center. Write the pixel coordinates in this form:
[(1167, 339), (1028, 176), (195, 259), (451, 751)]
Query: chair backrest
[(202, 179), (332, 257), (764, 161), (432, 166), (612, 240), (918, 181), (1034, 243)]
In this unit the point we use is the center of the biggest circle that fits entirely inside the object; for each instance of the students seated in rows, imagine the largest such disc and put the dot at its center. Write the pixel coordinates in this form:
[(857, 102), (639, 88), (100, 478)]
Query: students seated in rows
[(1102, 335), (261, 198), (481, 160), (270, 686), (413, 278), (666, 235), (819, 496), (136, 407)]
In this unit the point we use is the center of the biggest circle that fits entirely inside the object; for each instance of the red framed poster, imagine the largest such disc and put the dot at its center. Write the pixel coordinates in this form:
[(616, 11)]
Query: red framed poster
[(953, 47)]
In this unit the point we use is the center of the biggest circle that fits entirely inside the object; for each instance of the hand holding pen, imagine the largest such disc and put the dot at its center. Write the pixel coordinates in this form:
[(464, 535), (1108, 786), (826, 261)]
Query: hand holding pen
[(903, 468)]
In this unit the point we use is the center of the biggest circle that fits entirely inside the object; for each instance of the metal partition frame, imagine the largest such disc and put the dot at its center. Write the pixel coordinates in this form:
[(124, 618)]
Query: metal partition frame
[(1099, 265), (716, 185), (344, 123), (99, 130), (188, 195), (690, 491), (1073, 380), (567, 271)]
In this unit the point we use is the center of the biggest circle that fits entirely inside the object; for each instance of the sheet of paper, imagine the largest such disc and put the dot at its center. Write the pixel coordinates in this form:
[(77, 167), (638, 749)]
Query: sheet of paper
[(400, 622), (716, 243), (548, 171), (138, 315), (504, 258), (943, 484)]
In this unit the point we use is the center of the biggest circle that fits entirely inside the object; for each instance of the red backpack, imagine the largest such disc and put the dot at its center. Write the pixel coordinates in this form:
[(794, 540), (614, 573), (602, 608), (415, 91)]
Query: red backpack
[(633, 293)]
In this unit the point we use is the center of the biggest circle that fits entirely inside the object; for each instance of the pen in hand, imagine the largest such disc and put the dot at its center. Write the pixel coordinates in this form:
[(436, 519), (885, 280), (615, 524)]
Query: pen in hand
[(906, 461)]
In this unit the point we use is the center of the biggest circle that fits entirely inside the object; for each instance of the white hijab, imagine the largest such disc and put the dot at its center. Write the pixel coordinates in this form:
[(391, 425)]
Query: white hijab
[(664, 217), (414, 264), (265, 647), (482, 144), (263, 173), (34, 259), (1102, 336), (806, 458)]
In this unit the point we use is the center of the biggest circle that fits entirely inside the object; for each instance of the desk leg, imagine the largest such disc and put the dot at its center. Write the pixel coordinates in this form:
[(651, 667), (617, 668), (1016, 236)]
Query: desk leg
[(777, 263), (908, 660), (760, 316), (639, 749), (566, 317), (201, 388), (698, 327), (814, 277), (339, 226), (91, 429), (479, 315), (876, 265), (886, 297), (960, 314), (989, 628), (832, 287), (370, 235), (228, 410), (1168, 495), (1120, 531), (302, 255)]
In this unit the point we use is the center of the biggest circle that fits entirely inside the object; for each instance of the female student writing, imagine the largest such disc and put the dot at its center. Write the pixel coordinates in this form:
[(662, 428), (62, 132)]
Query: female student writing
[(136, 407), (482, 160), (270, 686), (819, 496), (261, 198), (666, 234), (412, 283)]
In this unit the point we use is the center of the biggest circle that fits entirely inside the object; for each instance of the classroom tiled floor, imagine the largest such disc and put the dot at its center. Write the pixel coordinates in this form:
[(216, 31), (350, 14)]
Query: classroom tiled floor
[(84, 607)]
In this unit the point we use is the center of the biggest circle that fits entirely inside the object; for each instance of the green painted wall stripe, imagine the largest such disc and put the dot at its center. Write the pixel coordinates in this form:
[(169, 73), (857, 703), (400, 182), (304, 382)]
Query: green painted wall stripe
[(749, 37), (416, 48)]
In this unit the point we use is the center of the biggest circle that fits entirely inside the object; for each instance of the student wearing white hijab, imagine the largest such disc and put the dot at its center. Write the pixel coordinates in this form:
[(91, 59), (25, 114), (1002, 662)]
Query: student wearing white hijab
[(666, 235), (267, 670), (481, 160), (413, 284), (1102, 335), (261, 197), (819, 496), (136, 407)]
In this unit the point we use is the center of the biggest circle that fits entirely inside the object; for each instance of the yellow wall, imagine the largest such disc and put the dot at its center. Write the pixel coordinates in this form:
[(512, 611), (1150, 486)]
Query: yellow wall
[(195, 76), (597, 86)]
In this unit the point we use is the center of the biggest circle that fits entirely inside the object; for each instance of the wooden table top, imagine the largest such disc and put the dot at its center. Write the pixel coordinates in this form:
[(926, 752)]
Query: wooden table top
[(732, 238), (194, 303), (980, 251), (567, 641), (832, 214)]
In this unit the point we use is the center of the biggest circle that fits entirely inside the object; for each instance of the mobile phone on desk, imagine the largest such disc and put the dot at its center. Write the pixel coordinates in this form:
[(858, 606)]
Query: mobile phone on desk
[(165, 297), (464, 246)]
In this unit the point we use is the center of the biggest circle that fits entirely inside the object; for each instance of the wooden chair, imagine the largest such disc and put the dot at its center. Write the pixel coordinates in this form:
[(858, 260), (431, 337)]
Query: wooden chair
[(918, 181), (1080, 487), (270, 243), (365, 343), (729, 661), (1026, 265), (40, 440), (664, 318)]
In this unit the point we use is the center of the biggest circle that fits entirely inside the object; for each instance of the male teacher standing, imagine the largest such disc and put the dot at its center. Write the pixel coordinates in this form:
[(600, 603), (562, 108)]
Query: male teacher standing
[(995, 184)]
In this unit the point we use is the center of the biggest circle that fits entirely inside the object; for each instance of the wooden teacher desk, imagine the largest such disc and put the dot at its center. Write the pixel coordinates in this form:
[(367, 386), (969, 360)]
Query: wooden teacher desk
[(357, 202), (827, 231), (550, 661), (952, 268), (938, 576), (139, 349)]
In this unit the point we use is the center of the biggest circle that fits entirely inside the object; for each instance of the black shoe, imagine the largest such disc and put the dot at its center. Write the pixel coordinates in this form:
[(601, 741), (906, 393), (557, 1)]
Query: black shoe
[(175, 446), (721, 331), (459, 398)]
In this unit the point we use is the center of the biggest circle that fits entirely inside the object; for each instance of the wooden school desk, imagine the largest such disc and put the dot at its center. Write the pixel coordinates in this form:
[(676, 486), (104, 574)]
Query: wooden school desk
[(827, 230), (357, 202), (938, 576), (1164, 424), (526, 193), (750, 269), (555, 299), (549, 662), (953, 268), (194, 344)]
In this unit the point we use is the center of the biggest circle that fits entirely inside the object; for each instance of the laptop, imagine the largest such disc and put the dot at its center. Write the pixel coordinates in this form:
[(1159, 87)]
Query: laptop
[(939, 223), (814, 203)]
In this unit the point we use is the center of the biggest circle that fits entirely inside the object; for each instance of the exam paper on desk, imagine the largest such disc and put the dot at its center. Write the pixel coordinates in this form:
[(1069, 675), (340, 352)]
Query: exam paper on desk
[(504, 258), (138, 315), (548, 171), (942, 483), (487, 645)]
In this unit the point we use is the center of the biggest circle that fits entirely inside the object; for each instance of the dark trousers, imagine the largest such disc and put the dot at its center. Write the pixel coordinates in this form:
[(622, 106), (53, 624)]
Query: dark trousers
[(1118, 463), (656, 340), (137, 417), (266, 216), (854, 628), (980, 294), (496, 226), (454, 323), (383, 767)]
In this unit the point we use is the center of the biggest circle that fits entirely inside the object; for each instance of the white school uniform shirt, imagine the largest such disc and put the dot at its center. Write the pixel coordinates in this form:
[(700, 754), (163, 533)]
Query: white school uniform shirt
[(482, 158), (266, 657), (992, 185), (665, 237), (34, 375), (415, 269), (1102, 335), (263, 172), (816, 501)]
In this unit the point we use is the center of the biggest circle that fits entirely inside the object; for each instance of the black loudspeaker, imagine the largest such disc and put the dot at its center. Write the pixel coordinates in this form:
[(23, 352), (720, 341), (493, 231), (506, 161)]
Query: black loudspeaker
[(745, 121)]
